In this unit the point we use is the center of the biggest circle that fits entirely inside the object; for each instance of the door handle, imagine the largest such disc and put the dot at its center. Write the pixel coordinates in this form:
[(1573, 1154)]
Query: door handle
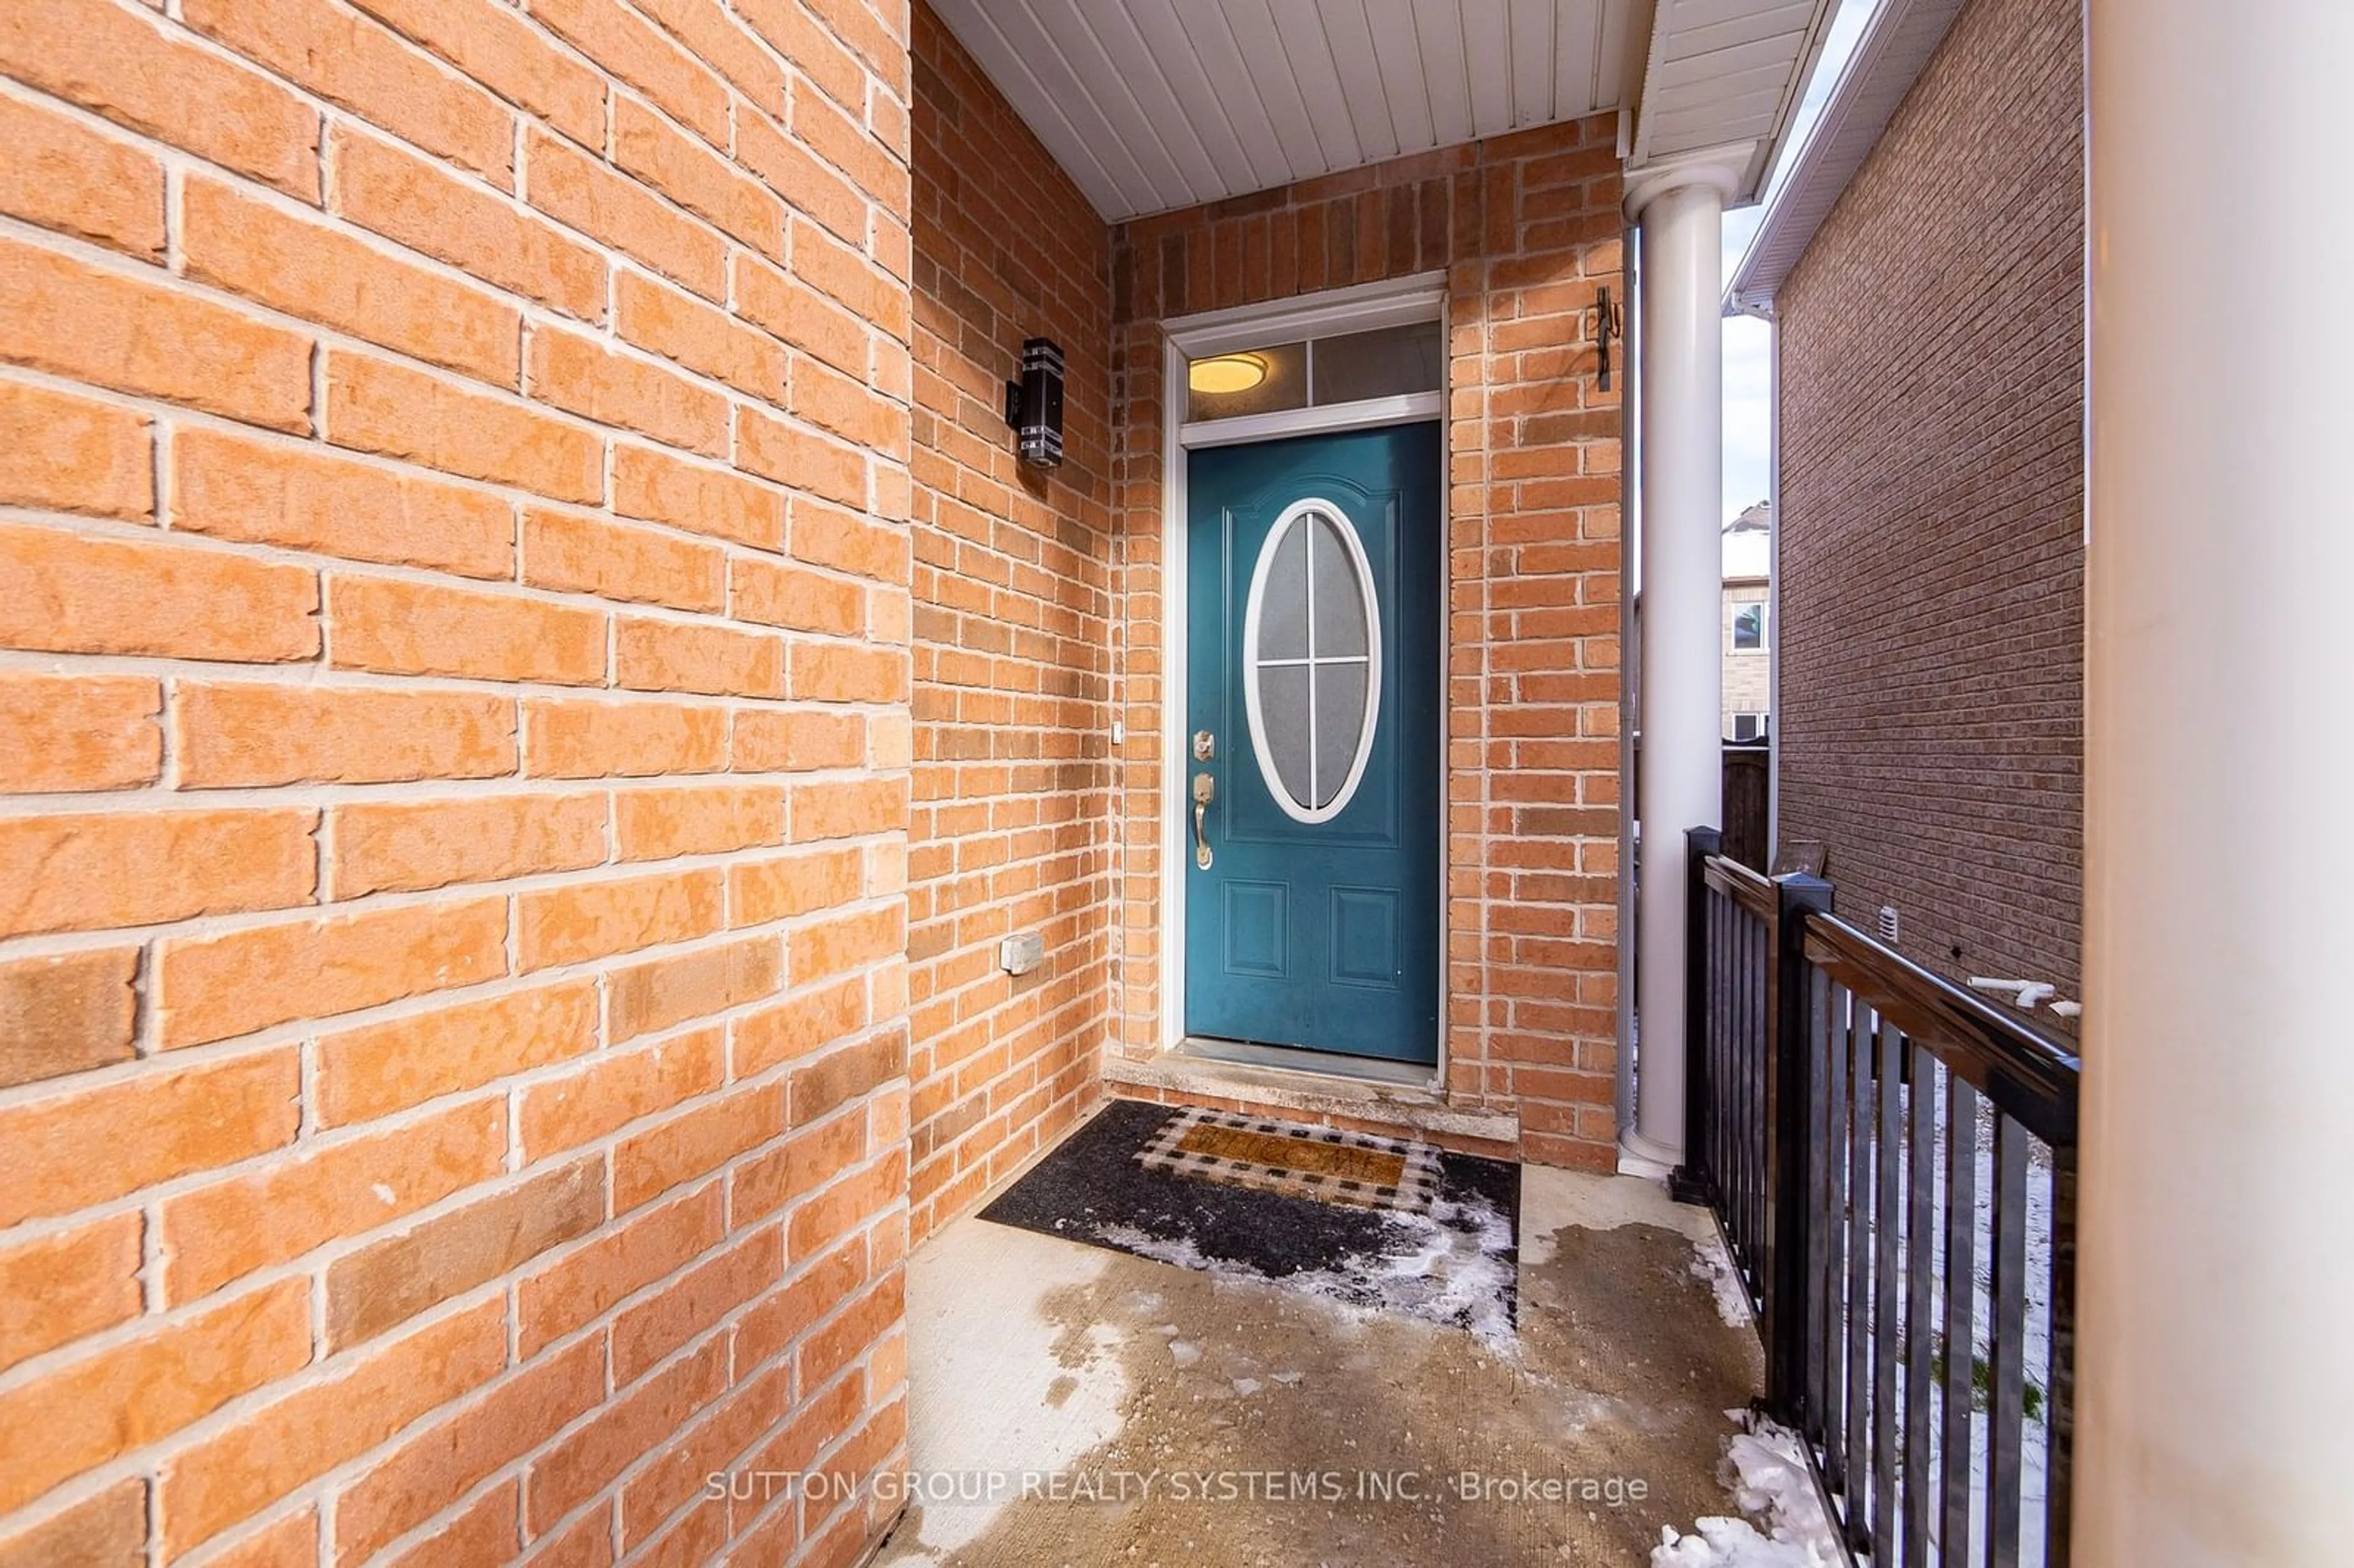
[(1205, 788)]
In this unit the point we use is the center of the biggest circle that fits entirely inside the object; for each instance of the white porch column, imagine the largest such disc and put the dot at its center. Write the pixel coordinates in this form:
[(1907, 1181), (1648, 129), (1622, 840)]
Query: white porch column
[(1680, 392), (2216, 1365)]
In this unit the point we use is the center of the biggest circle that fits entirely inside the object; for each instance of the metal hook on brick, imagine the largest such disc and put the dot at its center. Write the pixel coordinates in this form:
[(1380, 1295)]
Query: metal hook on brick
[(1608, 323)]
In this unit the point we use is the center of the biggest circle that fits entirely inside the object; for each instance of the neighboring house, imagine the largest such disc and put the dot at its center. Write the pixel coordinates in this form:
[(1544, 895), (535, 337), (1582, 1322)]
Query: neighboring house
[(1926, 283), (1748, 629)]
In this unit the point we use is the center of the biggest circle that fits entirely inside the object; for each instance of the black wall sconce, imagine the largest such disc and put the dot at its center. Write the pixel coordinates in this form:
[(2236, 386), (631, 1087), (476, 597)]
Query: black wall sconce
[(1033, 405), (1608, 325)]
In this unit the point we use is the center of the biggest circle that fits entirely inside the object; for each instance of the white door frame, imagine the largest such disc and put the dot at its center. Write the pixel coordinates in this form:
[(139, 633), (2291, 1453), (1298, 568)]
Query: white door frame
[(1419, 297)]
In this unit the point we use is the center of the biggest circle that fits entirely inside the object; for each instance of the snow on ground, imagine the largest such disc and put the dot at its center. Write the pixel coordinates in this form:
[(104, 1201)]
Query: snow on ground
[(1765, 1469), (1712, 1262), (1179, 1250), (1458, 1272), (1449, 1266)]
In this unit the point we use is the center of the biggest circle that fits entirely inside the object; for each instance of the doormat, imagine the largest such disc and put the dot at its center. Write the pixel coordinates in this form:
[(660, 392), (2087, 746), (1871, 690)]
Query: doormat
[(1453, 1260), (1320, 1162)]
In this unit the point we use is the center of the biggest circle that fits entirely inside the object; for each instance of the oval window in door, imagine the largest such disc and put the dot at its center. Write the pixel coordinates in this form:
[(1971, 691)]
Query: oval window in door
[(1312, 661)]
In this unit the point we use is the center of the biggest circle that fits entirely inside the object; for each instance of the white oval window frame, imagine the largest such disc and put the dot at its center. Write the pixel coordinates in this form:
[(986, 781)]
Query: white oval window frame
[(1298, 514)]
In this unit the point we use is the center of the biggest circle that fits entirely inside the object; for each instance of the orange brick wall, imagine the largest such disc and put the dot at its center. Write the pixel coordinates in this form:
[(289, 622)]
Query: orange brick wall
[(455, 680), (1012, 830), (1524, 227)]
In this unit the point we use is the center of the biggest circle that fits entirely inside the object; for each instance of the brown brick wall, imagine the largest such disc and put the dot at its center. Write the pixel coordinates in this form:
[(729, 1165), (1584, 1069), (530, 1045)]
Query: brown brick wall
[(1012, 830), (454, 670), (1524, 229), (1932, 396)]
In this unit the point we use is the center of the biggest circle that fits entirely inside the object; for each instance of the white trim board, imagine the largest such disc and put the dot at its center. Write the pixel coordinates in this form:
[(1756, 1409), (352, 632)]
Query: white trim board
[(1362, 307), (1365, 414), (1896, 47)]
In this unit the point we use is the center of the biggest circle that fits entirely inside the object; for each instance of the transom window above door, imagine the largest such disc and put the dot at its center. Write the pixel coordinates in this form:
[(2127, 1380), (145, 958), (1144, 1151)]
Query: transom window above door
[(1317, 372)]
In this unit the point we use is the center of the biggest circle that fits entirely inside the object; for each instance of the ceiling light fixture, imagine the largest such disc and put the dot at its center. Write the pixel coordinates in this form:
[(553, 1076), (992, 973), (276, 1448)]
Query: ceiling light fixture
[(1227, 373)]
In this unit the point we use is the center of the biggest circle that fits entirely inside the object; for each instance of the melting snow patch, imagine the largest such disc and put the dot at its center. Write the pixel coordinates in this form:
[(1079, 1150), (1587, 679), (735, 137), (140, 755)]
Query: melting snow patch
[(1765, 1469), (1451, 1265), (1179, 1250), (1455, 1271), (1712, 1262)]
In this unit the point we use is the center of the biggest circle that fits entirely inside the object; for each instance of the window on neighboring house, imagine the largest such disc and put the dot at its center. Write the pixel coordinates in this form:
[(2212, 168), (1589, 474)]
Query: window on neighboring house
[(1748, 628), (1749, 726)]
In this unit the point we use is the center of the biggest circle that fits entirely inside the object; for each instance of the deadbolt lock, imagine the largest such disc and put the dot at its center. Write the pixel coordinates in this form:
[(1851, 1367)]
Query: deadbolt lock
[(1206, 746)]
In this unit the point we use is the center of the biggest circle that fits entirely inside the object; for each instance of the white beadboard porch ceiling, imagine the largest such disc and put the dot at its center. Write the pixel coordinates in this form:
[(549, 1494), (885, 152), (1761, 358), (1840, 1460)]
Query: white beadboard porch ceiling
[(1156, 104)]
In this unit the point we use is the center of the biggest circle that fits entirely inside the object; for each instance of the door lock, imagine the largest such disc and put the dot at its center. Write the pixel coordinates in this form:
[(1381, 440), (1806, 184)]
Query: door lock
[(1205, 790), (1206, 746)]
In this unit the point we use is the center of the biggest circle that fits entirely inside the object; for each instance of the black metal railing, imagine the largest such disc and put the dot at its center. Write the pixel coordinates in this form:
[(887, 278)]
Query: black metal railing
[(1728, 921), (1893, 1164)]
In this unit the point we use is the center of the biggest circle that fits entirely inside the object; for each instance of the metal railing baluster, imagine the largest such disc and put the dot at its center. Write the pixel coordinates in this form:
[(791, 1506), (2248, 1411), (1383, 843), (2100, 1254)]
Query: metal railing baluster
[(1812, 1362), (1858, 1276), (1888, 1242), (2006, 1356), (1961, 1327), (1920, 1310), (1832, 1282)]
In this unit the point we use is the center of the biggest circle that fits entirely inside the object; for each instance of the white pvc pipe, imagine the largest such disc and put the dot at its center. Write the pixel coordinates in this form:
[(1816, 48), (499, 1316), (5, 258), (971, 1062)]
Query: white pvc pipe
[(1682, 676), (2216, 1364)]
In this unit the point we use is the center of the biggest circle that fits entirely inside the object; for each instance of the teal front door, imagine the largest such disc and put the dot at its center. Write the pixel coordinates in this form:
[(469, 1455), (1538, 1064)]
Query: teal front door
[(1313, 743)]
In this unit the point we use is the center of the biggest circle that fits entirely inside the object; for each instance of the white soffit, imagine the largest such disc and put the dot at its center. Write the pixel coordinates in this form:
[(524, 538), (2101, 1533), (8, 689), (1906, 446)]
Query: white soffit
[(1889, 57), (1726, 73), (1157, 104)]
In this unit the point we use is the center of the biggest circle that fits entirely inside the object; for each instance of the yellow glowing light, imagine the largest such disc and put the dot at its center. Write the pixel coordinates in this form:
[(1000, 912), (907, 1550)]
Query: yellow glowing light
[(1227, 374)]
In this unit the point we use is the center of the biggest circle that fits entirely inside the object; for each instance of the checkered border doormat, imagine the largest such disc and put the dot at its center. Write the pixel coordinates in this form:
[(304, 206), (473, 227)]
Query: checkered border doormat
[(1416, 1186)]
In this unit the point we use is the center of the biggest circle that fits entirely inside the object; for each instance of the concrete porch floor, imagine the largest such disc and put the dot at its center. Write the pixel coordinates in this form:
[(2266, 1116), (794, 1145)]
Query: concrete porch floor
[(1075, 1407)]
